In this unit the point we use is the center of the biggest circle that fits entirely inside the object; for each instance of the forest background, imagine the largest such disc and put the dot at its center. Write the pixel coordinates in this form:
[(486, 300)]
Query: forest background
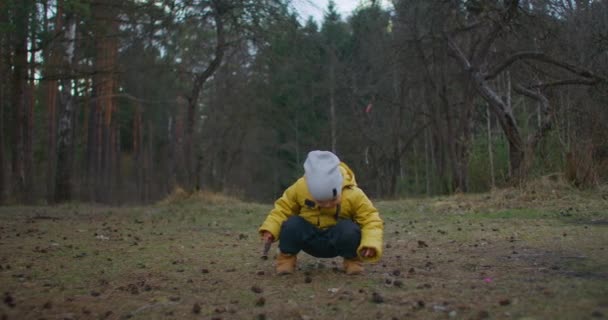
[(118, 102)]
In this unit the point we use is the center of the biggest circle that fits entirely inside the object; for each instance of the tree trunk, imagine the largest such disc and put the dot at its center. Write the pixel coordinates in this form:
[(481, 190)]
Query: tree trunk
[(149, 166), (501, 110), (65, 143), (65, 132), (138, 156), (427, 161), (464, 133), (199, 81), (3, 86), (188, 154), (92, 153), (179, 146), (332, 101), (116, 186), (451, 141), (545, 124), (19, 99), (490, 153), (53, 59), (28, 130), (104, 84), (172, 150)]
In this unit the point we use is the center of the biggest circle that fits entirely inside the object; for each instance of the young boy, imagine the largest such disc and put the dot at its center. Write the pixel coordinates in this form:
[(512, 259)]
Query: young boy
[(326, 215)]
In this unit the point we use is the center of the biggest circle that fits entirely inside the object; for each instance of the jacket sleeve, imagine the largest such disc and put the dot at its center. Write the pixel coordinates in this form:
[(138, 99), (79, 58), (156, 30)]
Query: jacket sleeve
[(286, 206), (372, 226)]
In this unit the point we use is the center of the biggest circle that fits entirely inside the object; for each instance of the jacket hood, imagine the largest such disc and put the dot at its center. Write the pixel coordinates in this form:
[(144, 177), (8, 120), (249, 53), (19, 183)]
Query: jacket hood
[(348, 175)]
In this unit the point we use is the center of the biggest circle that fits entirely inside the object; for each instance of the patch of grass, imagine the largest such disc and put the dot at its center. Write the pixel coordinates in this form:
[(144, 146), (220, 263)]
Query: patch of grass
[(463, 257), (523, 213)]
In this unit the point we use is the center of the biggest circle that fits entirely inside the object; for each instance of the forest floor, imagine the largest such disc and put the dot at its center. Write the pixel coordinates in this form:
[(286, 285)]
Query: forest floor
[(532, 253)]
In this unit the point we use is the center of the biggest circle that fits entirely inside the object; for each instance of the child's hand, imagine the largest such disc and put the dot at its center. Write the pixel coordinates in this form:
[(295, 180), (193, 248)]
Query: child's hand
[(267, 236), (367, 252)]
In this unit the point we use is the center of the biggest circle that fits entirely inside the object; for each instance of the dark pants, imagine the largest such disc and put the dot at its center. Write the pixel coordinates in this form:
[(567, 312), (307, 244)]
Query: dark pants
[(340, 240)]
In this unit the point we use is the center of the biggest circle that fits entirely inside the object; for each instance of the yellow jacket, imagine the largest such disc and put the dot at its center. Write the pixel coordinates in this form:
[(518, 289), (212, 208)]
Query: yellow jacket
[(354, 205)]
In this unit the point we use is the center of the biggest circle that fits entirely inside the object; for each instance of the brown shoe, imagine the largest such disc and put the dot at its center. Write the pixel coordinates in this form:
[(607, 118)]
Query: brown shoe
[(353, 266), (286, 263)]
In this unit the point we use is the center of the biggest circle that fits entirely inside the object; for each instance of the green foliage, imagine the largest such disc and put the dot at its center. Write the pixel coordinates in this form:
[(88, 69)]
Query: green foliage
[(78, 7), (549, 156), (268, 103), (7, 24), (479, 162)]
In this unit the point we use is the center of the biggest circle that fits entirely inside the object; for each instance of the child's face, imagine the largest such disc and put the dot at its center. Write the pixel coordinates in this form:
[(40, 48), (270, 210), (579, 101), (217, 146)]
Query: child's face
[(329, 203)]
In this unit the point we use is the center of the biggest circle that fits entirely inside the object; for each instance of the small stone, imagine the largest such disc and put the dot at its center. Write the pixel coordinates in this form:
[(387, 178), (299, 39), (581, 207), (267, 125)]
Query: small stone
[(196, 308), (9, 300), (260, 301), (377, 298)]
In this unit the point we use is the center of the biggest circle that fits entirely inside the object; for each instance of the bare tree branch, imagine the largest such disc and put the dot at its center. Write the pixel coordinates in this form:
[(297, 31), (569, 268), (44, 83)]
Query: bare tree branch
[(566, 82), (538, 56), (220, 47), (507, 15), (547, 119), (499, 107)]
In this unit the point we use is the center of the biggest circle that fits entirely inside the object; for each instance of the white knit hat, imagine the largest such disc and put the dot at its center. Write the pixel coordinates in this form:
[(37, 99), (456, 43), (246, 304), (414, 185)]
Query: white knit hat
[(322, 175)]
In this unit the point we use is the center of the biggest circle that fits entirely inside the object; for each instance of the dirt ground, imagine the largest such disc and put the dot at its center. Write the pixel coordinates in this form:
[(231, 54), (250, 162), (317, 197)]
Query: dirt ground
[(510, 254)]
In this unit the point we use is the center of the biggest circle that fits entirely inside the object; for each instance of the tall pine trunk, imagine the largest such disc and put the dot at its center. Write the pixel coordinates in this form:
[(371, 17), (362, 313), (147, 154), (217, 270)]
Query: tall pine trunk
[(18, 99), (138, 152), (332, 101), (4, 69), (101, 143), (65, 130), (2, 132), (92, 151), (65, 158), (28, 130), (53, 60)]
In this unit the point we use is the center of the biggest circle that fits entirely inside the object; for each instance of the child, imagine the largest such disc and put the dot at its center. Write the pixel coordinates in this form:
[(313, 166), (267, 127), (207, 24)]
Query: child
[(326, 215)]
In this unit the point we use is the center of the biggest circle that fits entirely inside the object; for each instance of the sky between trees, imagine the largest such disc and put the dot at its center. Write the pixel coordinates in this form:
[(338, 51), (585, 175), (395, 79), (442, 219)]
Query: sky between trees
[(317, 8)]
